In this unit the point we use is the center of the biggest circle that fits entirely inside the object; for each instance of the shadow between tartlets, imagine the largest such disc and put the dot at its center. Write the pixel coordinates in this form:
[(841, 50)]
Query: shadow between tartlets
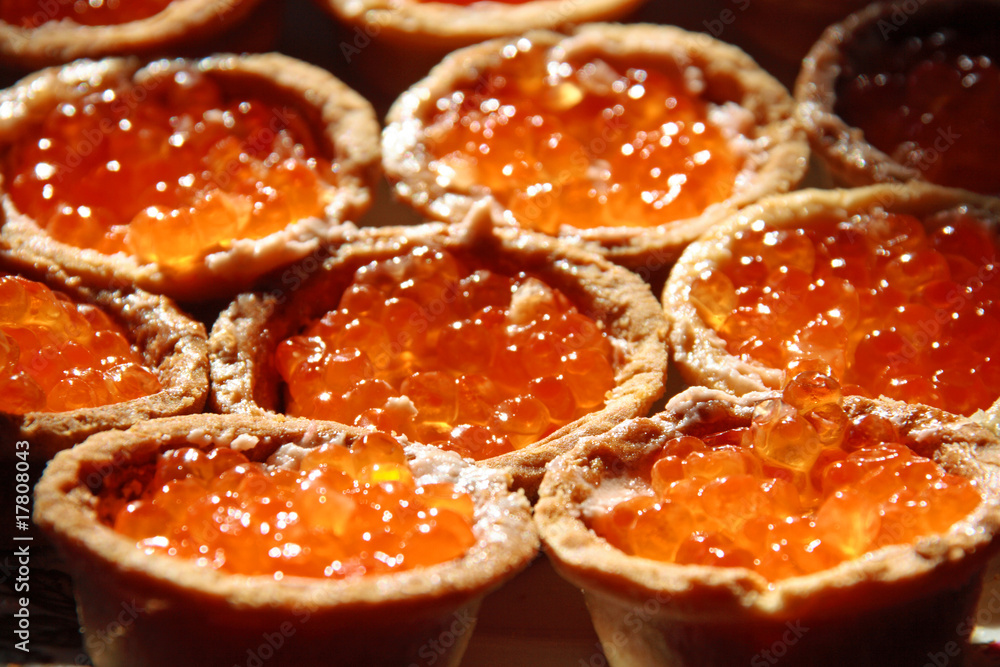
[(895, 603), (170, 344), (244, 338), (196, 615), (699, 352), (776, 158), (345, 128)]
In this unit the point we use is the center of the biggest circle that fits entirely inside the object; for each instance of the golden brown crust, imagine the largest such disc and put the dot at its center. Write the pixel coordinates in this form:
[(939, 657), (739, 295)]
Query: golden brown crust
[(441, 25), (700, 353), (776, 161), (245, 335), (172, 345), (194, 615), (181, 24), (889, 597), (343, 119)]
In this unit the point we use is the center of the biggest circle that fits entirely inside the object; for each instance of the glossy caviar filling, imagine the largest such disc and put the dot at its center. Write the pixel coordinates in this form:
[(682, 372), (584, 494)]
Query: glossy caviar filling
[(169, 170), (581, 143), (885, 305), (470, 360), (57, 355), (802, 489), (342, 512), (930, 102), (34, 13)]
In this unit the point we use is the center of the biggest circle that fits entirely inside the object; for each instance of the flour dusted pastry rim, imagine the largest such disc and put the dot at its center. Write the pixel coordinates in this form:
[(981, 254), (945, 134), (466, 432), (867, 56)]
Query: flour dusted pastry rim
[(776, 158), (245, 335), (342, 120), (680, 603), (170, 343), (446, 25), (402, 605)]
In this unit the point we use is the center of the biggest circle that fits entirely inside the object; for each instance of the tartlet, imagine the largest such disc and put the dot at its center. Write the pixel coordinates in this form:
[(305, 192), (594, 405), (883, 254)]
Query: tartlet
[(287, 96), (449, 25), (898, 604), (703, 354), (171, 345), (245, 337), (756, 137), (180, 26), (892, 94), (186, 613)]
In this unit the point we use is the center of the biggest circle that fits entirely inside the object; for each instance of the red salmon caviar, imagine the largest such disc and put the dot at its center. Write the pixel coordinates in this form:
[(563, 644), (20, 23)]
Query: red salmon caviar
[(802, 489), (885, 305), (929, 102), (32, 14), (582, 143), (57, 355), (470, 360), (168, 171), (344, 511)]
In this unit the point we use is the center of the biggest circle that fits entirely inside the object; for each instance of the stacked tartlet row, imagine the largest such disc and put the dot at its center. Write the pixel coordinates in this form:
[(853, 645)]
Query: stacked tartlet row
[(252, 387)]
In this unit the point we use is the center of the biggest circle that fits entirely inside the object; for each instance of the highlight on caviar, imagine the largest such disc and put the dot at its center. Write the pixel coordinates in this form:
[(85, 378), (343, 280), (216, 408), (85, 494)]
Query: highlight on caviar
[(180, 170), (802, 488), (487, 346), (76, 359), (893, 291), (743, 513), (41, 33), (632, 137), (317, 512), (893, 95), (245, 522), (58, 355), (432, 348)]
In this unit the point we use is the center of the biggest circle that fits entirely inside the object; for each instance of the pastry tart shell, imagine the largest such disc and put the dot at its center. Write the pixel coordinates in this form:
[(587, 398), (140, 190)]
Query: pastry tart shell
[(186, 614), (775, 163), (244, 338), (446, 26), (183, 25), (849, 158), (699, 352), (897, 604), (171, 344), (345, 128)]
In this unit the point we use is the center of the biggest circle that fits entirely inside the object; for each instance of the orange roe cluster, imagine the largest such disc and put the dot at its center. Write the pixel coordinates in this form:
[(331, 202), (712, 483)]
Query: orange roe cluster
[(468, 360), (802, 489), (929, 101), (168, 170), (883, 304), (57, 355), (581, 143), (34, 13), (343, 512)]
